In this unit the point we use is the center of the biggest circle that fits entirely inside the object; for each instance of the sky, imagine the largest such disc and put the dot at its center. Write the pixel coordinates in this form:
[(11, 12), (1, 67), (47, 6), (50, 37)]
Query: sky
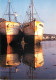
[(46, 10)]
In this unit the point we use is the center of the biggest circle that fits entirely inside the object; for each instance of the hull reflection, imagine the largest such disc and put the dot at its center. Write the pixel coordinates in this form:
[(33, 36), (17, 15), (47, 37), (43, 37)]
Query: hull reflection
[(12, 57), (39, 61), (33, 56)]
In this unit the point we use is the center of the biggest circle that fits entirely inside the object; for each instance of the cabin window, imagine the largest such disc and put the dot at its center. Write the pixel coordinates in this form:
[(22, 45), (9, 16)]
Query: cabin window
[(40, 25)]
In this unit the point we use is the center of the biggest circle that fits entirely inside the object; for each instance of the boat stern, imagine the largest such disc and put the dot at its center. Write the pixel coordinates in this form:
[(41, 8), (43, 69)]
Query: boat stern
[(38, 31)]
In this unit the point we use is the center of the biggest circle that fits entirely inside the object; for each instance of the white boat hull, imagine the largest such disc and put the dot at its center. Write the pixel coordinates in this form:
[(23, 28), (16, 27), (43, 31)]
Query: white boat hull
[(10, 29)]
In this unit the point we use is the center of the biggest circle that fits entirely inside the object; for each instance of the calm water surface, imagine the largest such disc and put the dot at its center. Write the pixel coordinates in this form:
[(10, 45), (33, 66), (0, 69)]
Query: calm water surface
[(28, 61)]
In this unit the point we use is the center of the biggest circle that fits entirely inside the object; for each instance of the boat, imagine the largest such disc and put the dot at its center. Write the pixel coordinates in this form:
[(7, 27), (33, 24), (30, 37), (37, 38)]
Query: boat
[(10, 29), (32, 29)]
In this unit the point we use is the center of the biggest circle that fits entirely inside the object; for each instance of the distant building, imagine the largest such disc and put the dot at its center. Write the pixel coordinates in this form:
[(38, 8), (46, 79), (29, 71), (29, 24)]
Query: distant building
[(53, 37), (49, 37)]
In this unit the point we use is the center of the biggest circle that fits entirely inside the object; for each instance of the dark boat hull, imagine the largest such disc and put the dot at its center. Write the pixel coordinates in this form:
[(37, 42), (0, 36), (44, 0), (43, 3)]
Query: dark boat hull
[(31, 39), (3, 39), (33, 33), (10, 39), (16, 38)]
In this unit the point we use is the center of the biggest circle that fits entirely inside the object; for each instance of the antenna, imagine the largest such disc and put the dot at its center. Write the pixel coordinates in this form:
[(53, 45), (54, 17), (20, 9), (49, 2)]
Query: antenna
[(32, 9), (9, 10)]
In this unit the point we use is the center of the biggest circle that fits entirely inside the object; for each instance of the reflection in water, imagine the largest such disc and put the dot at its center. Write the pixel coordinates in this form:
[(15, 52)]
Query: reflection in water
[(12, 57), (39, 61), (33, 56), (30, 55), (17, 62), (9, 59)]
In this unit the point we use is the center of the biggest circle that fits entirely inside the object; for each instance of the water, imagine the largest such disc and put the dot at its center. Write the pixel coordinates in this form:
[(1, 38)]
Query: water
[(28, 61)]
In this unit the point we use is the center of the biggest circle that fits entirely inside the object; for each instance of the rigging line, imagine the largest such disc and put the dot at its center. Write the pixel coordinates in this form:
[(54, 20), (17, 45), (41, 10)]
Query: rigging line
[(27, 13), (37, 12), (26, 18), (13, 14), (5, 11), (27, 10), (38, 15), (12, 9)]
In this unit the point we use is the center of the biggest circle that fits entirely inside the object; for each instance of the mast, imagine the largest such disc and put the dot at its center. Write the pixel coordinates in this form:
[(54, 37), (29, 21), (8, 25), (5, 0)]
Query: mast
[(15, 16), (9, 10), (32, 9), (9, 14)]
